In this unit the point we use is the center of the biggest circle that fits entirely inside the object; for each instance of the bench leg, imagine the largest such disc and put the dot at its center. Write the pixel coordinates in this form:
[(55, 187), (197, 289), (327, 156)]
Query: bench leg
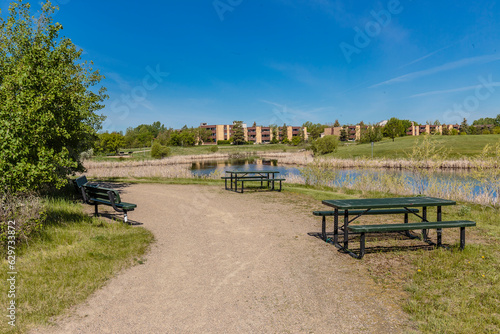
[(280, 185), (323, 228), (96, 212), (462, 238), (125, 218), (242, 186)]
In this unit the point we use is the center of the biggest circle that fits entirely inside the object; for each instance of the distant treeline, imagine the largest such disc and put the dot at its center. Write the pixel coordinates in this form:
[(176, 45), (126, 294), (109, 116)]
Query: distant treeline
[(145, 134)]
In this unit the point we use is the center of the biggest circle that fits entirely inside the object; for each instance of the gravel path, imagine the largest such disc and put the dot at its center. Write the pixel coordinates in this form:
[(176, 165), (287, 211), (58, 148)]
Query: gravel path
[(233, 263)]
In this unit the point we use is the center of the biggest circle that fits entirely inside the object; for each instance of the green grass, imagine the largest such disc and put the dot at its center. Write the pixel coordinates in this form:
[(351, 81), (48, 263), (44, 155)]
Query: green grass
[(71, 257), (458, 146), (204, 149), (448, 291)]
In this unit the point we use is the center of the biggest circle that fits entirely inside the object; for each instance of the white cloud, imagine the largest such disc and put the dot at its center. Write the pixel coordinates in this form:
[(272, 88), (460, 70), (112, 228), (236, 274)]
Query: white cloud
[(446, 67)]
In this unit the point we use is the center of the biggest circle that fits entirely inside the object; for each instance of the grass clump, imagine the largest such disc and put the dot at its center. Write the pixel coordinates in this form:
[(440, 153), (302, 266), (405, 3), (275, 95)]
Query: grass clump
[(71, 257)]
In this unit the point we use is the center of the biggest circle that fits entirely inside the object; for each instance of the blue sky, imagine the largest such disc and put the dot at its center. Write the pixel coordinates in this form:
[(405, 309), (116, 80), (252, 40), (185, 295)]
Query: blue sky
[(284, 61)]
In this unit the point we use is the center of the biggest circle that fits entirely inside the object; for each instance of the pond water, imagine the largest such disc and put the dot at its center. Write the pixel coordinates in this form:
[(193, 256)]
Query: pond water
[(207, 167), (449, 181)]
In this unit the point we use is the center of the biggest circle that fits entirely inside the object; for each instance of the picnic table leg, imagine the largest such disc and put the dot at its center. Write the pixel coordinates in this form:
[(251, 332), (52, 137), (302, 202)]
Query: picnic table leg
[(96, 213), (424, 216), (407, 233), (346, 233), (336, 227), (462, 238), (439, 230), (361, 246), (323, 228), (242, 186)]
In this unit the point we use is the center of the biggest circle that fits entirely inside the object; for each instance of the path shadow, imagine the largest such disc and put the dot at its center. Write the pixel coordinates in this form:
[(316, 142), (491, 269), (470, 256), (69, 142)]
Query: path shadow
[(377, 237)]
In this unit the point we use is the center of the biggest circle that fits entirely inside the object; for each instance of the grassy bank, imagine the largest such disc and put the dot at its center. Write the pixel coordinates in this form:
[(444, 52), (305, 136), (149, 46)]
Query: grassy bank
[(458, 147), (71, 257), (444, 291)]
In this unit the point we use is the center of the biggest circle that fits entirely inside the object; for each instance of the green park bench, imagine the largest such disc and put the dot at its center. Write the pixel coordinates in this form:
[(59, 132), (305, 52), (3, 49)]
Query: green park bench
[(95, 195), (362, 229), (325, 214)]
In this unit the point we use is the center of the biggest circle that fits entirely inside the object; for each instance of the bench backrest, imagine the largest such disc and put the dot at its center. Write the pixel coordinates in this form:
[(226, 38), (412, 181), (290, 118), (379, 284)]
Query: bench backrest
[(79, 182), (101, 193)]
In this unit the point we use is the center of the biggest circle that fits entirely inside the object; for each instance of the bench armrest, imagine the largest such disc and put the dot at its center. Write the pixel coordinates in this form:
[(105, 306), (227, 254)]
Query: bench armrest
[(111, 195)]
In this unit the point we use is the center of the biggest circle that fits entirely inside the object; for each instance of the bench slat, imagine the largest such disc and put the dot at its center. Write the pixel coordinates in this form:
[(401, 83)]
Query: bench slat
[(410, 226), (371, 212)]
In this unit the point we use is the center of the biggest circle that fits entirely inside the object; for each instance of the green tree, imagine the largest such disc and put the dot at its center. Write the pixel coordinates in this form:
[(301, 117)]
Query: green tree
[(394, 128), (371, 134), (314, 130), (110, 142), (47, 109), (343, 134), (159, 151), (274, 131), (336, 124), (464, 127), (284, 134), (446, 130), (238, 133), (327, 144)]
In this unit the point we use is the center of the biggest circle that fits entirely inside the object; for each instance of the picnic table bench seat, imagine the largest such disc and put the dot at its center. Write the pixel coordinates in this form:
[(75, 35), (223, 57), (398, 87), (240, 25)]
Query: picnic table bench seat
[(362, 229), (325, 214)]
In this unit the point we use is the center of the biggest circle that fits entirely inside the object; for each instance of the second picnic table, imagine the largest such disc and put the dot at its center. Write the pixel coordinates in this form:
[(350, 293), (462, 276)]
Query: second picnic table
[(235, 176), (382, 206)]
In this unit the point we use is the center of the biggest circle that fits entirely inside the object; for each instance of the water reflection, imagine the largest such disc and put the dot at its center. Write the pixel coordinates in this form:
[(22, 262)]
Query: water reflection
[(201, 168)]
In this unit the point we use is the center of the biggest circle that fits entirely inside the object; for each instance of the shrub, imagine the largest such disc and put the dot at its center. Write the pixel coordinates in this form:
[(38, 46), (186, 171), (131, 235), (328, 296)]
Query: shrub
[(296, 141), (327, 144), (159, 151), (214, 148), (223, 142), (26, 211), (486, 132), (454, 132), (496, 130)]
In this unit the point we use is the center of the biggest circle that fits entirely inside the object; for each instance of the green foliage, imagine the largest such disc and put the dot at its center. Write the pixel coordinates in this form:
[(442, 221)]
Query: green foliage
[(454, 132), (464, 127), (214, 148), (325, 145), (488, 121), (446, 131), (372, 134), (394, 128), (223, 142), (186, 137), (496, 130), (296, 141), (47, 109), (238, 133), (110, 142), (343, 134), (314, 130), (274, 131), (336, 124), (159, 151), (284, 134)]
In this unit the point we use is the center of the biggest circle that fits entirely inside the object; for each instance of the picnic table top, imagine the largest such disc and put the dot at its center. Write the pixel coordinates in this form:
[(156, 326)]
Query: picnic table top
[(376, 203)]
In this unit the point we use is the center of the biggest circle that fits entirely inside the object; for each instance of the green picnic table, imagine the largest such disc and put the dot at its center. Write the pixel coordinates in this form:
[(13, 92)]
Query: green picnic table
[(235, 176), (370, 206)]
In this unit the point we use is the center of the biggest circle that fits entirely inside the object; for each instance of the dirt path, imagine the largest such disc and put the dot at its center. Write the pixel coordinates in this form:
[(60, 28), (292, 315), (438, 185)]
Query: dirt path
[(233, 263)]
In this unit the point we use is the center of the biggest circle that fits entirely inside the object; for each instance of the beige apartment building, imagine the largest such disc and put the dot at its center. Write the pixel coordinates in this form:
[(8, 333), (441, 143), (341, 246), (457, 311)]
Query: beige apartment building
[(255, 134)]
